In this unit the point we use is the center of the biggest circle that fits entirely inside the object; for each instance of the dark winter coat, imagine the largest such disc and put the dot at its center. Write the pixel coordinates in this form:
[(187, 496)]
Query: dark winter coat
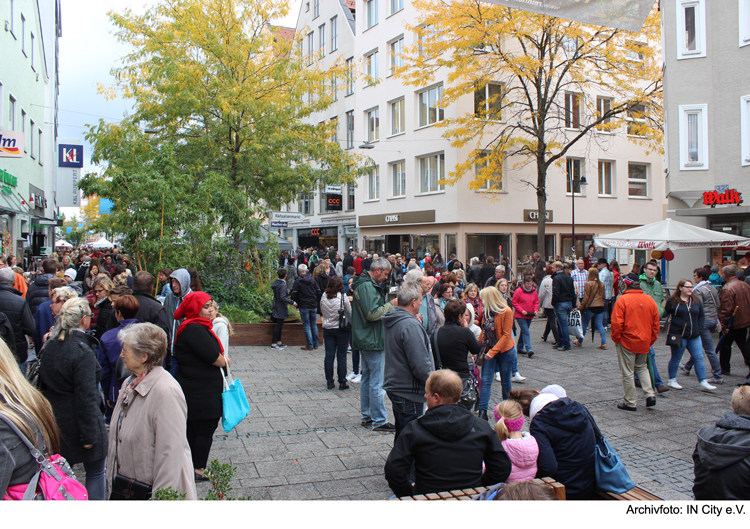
[(322, 281), (408, 359), (195, 350), (686, 322), (21, 319), (17, 466), (456, 343), (447, 446), (44, 321), (102, 319), (70, 377), (566, 447), (109, 352), (474, 275), (149, 311), (38, 291), (487, 271), (562, 288), (722, 459), (281, 300), (306, 292)]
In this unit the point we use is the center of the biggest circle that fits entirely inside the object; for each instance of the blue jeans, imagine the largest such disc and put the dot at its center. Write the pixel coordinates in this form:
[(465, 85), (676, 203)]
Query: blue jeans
[(355, 361), (371, 392), (336, 341), (22, 367), (505, 362), (310, 324), (404, 411), (524, 339), (657, 379), (708, 348), (586, 319), (693, 345), (96, 482), (562, 312)]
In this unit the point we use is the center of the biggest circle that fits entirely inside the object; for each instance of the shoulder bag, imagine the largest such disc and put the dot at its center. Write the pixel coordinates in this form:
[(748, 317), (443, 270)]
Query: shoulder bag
[(489, 339), (345, 322), (611, 474)]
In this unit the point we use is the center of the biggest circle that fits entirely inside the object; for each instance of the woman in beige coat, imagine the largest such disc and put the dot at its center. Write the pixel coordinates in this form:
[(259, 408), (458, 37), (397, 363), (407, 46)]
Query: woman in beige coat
[(147, 437)]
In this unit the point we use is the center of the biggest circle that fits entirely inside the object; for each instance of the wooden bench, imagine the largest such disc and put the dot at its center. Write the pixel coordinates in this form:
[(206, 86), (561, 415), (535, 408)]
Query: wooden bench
[(468, 494), (636, 494)]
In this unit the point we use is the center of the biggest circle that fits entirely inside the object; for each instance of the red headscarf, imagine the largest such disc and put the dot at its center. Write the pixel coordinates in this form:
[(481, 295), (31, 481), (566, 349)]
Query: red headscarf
[(189, 308)]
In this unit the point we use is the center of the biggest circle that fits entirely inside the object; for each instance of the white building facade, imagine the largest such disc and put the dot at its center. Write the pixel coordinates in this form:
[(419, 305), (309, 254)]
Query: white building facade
[(401, 205)]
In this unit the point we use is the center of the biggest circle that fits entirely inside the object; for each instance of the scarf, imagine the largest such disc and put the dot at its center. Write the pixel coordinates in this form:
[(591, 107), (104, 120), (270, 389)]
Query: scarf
[(128, 393), (189, 309)]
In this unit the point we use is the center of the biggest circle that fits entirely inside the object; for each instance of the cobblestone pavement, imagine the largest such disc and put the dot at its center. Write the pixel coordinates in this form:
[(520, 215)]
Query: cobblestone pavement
[(302, 441)]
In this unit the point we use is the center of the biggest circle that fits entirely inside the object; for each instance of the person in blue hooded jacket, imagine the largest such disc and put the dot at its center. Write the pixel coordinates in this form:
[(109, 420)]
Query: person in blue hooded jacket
[(180, 282)]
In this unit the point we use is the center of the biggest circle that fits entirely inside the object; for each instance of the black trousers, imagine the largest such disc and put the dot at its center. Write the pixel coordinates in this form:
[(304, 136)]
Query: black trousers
[(738, 336), (277, 330), (551, 324), (200, 436)]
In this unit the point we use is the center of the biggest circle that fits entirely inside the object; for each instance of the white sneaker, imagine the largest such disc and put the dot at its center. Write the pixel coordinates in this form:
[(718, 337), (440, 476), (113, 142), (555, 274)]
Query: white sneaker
[(706, 386), (497, 377), (275, 346), (357, 379), (350, 376), (673, 384), (518, 378)]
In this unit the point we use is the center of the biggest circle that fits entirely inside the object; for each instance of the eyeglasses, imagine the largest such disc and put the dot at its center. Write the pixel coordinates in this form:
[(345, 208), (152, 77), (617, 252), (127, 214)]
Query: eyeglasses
[(685, 286), (98, 290)]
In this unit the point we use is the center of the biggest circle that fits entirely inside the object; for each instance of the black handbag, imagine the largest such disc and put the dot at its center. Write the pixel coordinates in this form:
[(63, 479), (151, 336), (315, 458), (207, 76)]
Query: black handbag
[(345, 322), (125, 488)]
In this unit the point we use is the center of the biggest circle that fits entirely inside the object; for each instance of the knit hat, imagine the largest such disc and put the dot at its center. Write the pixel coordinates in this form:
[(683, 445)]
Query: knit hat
[(631, 278), (554, 389), (539, 402), (71, 273), (715, 269)]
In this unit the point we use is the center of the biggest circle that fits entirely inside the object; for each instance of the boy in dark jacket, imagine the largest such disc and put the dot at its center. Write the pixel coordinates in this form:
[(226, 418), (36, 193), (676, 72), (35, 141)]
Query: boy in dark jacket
[(306, 294), (280, 309)]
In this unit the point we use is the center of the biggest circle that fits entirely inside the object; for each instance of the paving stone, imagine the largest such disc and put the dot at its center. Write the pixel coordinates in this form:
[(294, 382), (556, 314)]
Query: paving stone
[(305, 491), (341, 487)]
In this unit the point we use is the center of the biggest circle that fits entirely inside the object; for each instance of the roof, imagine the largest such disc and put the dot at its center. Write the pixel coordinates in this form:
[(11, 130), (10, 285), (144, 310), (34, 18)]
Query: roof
[(351, 4), (284, 32)]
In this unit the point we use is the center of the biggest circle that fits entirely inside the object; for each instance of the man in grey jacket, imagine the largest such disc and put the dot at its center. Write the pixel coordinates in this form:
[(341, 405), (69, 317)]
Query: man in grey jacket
[(709, 297), (408, 358)]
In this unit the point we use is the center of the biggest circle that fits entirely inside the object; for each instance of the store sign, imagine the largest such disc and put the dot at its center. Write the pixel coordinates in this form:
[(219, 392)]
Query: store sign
[(532, 215), (70, 156), (7, 181), (287, 215), (391, 218), (408, 217), (11, 144), (730, 196), (333, 202), (319, 232), (336, 190), (279, 224)]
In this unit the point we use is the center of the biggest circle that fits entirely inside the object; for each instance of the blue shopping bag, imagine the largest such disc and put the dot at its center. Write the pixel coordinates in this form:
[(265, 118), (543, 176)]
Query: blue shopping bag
[(234, 402)]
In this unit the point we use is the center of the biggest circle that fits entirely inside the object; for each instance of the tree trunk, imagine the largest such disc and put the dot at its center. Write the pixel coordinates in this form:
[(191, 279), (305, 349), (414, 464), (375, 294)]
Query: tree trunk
[(237, 240), (541, 202)]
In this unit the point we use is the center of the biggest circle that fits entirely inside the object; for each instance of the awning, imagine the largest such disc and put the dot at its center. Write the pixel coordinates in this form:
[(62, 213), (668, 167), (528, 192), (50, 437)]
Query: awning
[(669, 234)]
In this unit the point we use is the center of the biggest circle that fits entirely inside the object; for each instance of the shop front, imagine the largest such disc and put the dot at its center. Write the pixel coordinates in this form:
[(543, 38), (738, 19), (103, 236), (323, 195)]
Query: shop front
[(318, 237)]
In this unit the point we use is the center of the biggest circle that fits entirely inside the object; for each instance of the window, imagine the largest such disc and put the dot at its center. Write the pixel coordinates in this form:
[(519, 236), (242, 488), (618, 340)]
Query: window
[(693, 137), (307, 7), (637, 180), (492, 181), (306, 203), (32, 52), (350, 197), (572, 110), (350, 129), (427, 32), (23, 129), (310, 47), (23, 35), (31, 139), (371, 68), (322, 200), (637, 51), (573, 167), (745, 129), (371, 13), (373, 125), (397, 117), (691, 29), (316, 8), (334, 33), (12, 114), (373, 184), (398, 172), (41, 147), (603, 105), (431, 171), (396, 6), (429, 111), (350, 76), (744, 22), (322, 40), (335, 126), (488, 101), (397, 48), (636, 120), (605, 179)]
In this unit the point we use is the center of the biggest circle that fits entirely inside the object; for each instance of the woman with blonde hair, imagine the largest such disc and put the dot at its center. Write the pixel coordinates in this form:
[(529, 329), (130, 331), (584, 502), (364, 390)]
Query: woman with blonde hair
[(497, 341), (521, 447), (70, 376), (31, 413), (222, 326)]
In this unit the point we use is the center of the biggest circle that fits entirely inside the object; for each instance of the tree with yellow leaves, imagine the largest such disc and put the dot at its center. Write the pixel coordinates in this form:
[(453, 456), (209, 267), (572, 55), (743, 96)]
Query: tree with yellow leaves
[(531, 77)]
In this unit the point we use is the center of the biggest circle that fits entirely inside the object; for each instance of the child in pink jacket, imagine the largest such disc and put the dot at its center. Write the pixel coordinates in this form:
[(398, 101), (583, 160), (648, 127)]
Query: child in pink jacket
[(521, 447), (525, 303)]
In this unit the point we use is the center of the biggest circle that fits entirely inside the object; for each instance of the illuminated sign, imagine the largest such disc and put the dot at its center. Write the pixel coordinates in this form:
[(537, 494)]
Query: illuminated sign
[(70, 156), (730, 196), (333, 202)]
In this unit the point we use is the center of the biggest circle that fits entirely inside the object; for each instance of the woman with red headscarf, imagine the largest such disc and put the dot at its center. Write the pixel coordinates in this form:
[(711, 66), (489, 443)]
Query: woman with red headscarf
[(200, 357)]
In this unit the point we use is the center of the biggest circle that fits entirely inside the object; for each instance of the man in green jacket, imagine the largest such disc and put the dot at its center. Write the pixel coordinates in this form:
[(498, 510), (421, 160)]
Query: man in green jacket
[(651, 287), (368, 308)]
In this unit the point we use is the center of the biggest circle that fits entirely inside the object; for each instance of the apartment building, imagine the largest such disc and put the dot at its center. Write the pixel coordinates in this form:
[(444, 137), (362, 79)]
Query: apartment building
[(401, 204), (707, 104), (28, 123)]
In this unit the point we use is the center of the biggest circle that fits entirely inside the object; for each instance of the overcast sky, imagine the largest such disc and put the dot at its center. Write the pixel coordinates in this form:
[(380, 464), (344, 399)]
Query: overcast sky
[(88, 51)]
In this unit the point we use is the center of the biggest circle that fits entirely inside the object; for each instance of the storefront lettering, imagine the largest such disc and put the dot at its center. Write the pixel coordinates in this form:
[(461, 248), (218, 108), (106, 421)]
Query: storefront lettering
[(646, 245), (730, 196), (391, 218), (315, 232)]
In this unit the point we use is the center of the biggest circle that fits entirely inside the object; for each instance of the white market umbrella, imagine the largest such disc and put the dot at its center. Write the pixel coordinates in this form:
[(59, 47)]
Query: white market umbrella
[(102, 243), (669, 234), (64, 244)]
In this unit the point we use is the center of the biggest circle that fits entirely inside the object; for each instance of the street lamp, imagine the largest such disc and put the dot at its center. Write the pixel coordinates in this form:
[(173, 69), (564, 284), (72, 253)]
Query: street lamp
[(367, 146), (574, 183)]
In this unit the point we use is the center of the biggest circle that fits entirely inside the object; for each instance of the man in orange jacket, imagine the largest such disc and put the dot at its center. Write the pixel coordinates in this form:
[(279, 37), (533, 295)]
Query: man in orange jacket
[(635, 327)]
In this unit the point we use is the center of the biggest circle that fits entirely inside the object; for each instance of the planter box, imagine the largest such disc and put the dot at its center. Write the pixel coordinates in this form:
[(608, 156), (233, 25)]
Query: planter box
[(262, 334)]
